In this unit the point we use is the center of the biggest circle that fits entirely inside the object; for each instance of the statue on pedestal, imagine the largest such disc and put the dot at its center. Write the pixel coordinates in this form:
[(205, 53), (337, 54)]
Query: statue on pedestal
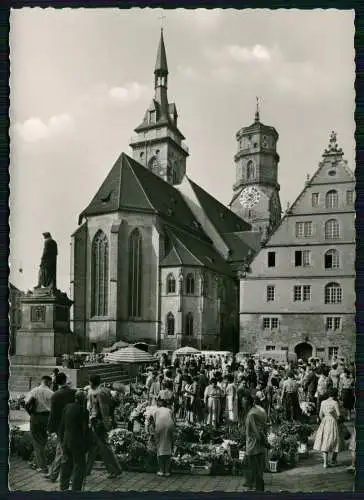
[(48, 264)]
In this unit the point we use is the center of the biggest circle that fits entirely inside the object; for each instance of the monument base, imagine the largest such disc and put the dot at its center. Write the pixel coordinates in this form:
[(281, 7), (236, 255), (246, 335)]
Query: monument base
[(45, 332), (43, 344)]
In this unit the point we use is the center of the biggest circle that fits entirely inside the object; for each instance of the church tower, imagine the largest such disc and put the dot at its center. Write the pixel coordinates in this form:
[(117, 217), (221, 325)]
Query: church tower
[(158, 144), (256, 189)]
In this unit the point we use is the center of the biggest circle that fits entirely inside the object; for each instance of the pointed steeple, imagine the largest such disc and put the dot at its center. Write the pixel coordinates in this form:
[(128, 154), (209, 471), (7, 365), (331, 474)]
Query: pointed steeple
[(161, 67), (161, 79), (257, 115)]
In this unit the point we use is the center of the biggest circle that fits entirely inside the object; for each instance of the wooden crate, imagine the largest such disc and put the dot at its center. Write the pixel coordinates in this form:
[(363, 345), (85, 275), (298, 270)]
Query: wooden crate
[(201, 470)]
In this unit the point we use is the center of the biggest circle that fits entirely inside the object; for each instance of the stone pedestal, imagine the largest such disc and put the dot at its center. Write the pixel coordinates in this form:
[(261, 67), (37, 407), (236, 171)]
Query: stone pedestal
[(45, 333)]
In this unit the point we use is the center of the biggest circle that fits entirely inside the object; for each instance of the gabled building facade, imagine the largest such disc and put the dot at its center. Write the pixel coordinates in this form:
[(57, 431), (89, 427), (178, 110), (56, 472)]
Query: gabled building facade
[(300, 293)]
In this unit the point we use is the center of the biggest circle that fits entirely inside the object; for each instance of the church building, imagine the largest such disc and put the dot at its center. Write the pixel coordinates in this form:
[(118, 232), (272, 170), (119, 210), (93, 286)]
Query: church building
[(155, 257), (300, 293)]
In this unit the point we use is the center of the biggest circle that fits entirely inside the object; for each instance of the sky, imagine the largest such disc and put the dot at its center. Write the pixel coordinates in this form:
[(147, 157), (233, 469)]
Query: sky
[(81, 80)]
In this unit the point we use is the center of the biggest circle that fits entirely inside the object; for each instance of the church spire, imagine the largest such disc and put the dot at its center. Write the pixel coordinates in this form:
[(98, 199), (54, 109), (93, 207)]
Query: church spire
[(161, 78), (161, 67)]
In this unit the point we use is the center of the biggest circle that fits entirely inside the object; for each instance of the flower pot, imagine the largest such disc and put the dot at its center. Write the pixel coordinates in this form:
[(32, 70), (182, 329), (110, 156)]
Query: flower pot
[(273, 465), (303, 450)]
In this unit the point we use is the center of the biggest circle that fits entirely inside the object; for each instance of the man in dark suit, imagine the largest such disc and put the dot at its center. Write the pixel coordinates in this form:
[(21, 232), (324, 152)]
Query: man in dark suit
[(74, 435), (60, 399), (100, 408)]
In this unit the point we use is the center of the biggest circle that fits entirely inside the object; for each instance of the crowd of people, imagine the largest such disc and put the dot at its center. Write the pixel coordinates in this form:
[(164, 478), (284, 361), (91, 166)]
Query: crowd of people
[(214, 390)]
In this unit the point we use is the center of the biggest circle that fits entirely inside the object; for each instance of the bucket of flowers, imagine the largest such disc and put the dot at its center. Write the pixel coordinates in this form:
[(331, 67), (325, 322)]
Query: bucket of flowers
[(21, 443), (201, 463), (181, 464)]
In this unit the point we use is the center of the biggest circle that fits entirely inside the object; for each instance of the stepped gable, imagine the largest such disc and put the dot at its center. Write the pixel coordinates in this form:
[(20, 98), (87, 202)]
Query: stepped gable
[(188, 250), (130, 186), (332, 170), (223, 219)]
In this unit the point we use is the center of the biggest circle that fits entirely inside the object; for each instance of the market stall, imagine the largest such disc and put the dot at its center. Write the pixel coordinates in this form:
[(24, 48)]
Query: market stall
[(132, 359)]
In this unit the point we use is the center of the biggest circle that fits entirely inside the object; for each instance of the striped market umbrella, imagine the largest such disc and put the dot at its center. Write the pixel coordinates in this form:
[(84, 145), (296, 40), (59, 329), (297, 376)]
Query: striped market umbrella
[(129, 355)]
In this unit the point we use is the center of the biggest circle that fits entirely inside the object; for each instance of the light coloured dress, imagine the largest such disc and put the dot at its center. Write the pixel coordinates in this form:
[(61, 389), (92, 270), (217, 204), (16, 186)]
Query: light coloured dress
[(164, 426), (231, 402), (328, 435)]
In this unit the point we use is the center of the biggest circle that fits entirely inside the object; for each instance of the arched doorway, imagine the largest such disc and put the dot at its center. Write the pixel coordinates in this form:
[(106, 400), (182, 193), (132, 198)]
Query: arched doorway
[(303, 351)]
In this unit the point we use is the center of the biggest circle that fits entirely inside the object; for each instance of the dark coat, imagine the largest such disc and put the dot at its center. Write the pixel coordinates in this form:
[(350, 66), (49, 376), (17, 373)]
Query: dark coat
[(74, 429), (60, 399)]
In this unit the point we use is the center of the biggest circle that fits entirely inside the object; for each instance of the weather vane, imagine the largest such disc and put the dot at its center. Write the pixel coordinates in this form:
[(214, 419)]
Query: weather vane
[(162, 18)]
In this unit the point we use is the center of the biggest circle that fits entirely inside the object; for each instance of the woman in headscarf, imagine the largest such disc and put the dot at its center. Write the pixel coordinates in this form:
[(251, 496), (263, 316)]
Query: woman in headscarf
[(328, 438)]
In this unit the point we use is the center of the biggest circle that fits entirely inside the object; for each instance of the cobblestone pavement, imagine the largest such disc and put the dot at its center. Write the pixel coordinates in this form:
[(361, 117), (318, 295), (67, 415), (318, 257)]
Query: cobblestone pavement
[(308, 476)]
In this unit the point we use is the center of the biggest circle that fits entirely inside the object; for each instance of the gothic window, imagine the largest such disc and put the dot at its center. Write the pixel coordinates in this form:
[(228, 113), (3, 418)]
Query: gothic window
[(333, 293), (171, 284), (169, 173), (332, 259), (135, 274), (189, 324), (206, 285), (190, 284), (332, 229), (332, 199), (250, 170), (174, 176), (99, 275), (170, 324)]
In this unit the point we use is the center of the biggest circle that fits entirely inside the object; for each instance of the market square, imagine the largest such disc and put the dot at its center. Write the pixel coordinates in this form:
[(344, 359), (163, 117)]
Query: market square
[(182, 343)]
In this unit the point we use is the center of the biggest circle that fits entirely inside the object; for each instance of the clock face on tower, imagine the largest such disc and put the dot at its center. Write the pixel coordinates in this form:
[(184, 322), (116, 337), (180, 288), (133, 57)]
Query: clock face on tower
[(249, 197)]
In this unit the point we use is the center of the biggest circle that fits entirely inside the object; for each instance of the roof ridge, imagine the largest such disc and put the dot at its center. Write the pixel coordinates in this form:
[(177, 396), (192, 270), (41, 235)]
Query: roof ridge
[(137, 178), (188, 250)]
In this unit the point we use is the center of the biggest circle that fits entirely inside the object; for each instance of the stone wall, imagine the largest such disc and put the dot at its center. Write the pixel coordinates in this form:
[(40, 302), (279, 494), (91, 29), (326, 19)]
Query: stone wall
[(295, 329)]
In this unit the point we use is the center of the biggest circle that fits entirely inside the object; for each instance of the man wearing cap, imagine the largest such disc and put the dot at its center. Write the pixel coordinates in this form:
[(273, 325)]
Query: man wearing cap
[(48, 263)]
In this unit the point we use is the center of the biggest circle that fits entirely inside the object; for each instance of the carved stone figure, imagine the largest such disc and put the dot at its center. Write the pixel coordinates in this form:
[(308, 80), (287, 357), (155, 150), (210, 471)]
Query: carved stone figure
[(48, 265)]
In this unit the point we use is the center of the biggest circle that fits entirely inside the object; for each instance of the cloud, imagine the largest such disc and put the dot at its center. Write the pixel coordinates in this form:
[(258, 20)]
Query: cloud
[(248, 54), (240, 54), (130, 92), (187, 72), (35, 129)]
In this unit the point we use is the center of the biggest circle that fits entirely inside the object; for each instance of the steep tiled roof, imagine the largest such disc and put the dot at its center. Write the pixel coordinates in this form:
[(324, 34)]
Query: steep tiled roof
[(189, 250), (131, 186), (223, 219), (239, 246)]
